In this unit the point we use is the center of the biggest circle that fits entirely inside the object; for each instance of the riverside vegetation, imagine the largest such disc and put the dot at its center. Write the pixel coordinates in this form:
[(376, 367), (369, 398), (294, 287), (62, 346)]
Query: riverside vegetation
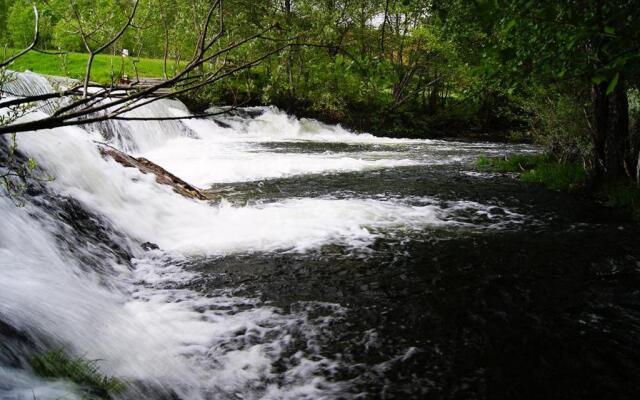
[(566, 176)]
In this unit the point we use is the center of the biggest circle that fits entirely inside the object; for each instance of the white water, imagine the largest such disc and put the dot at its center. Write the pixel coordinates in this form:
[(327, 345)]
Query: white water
[(140, 320)]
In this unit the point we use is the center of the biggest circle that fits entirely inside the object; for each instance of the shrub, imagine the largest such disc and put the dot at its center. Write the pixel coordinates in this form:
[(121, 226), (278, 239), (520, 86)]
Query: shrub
[(559, 123)]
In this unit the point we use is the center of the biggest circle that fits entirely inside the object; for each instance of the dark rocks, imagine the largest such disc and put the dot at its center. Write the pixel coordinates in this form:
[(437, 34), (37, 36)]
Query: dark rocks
[(148, 246)]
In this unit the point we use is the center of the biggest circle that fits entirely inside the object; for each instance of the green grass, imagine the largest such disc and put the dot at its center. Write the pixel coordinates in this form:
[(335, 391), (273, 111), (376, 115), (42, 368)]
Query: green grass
[(73, 65), (517, 163), (556, 176), (538, 169), (57, 364), (565, 177)]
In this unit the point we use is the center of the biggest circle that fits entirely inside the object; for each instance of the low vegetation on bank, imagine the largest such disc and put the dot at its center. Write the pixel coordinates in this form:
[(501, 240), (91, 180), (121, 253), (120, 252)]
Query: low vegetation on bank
[(86, 374), (565, 176)]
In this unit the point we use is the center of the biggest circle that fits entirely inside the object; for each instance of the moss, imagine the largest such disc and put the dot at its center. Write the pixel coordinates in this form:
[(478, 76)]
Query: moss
[(57, 364)]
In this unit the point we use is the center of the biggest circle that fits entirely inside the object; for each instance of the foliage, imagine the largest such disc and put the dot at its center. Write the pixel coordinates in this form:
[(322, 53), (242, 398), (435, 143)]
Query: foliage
[(560, 123), (57, 364), (581, 56), (344, 64), (19, 23), (3, 20)]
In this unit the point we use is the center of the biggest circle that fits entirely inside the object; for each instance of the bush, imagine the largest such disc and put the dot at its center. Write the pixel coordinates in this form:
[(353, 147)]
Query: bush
[(559, 124)]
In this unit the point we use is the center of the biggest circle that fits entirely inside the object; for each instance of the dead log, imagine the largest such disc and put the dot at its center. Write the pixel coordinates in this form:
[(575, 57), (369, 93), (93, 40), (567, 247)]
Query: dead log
[(145, 166)]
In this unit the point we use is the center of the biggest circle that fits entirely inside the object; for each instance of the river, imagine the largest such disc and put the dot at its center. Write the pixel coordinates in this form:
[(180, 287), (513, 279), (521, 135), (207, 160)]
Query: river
[(335, 266)]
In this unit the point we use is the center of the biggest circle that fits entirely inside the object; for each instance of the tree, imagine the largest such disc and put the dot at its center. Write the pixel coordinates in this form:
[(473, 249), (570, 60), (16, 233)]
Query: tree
[(3, 20), (588, 46), (90, 103)]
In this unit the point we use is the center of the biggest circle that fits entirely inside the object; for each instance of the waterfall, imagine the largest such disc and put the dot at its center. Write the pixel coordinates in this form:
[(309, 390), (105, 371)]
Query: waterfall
[(30, 84), (74, 274), (138, 136)]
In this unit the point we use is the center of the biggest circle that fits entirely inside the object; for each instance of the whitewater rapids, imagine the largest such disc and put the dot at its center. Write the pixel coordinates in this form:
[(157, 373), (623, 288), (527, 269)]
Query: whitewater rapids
[(93, 290)]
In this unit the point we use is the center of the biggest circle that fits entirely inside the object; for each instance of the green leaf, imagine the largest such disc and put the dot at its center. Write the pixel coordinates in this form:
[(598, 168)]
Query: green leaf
[(613, 84), (609, 30), (32, 164), (510, 25)]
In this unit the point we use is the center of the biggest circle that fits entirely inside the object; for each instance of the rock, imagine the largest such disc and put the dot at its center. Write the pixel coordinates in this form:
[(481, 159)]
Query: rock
[(148, 246)]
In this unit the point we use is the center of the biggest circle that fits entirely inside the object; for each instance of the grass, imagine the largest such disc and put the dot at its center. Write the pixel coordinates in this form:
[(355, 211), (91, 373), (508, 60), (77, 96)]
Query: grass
[(538, 169), (565, 177), (556, 176), (517, 163), (84, 373), (73, 65)]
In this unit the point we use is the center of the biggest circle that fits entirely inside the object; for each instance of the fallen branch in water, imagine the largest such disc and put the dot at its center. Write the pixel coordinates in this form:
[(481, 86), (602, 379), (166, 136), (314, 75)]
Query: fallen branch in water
[(145, 166)]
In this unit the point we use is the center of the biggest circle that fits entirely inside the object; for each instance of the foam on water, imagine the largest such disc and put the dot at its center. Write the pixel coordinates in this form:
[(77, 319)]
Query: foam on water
[(176, 224), (273, 125), (235, 151), (19, 384), (207, 161)]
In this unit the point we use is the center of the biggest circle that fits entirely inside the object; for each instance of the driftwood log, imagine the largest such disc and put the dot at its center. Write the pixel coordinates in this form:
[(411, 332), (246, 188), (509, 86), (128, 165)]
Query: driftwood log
[(145, 166)]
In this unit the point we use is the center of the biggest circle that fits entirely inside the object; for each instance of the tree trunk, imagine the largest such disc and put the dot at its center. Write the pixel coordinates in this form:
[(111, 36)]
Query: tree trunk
[(611, 136)]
